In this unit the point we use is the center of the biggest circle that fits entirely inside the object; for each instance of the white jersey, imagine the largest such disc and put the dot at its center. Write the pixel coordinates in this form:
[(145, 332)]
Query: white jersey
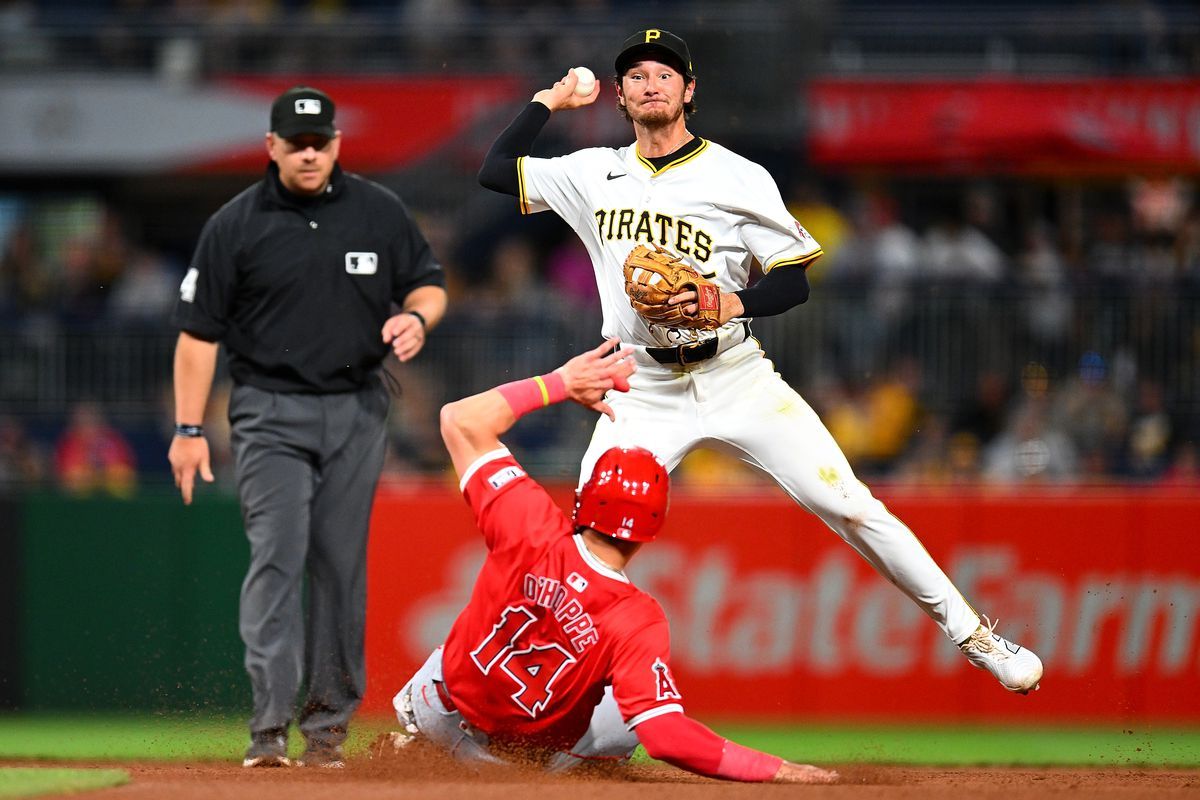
[(716, 209), (721, 212)]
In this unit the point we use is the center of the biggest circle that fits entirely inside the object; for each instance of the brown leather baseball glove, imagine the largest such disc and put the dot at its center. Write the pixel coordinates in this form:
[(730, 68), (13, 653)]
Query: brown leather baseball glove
[(654, 275)]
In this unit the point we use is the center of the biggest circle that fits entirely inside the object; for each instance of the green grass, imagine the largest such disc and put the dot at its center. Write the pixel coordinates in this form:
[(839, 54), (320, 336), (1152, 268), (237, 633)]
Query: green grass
[(190, 738), (32, 781), (144, 737), (1100, 745)]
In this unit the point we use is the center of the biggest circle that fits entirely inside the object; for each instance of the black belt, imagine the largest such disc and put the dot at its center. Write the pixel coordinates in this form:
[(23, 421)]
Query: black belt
[(444, 695), (692, 352)]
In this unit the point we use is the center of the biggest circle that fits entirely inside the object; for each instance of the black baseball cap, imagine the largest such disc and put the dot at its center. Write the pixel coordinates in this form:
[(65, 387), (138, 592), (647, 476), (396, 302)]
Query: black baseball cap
[(655, 43), (300, 110)]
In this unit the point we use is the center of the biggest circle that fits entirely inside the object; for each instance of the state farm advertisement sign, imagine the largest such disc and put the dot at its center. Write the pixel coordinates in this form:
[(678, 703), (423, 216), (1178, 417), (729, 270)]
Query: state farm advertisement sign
[(772, 615)]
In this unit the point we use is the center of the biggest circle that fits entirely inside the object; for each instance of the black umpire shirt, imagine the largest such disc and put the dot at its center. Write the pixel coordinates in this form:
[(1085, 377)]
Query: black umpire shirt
[(298, 288)]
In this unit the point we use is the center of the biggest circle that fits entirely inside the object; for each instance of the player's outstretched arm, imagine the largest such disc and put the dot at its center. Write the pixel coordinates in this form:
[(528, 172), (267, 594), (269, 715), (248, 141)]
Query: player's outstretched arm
[(682, 742), (499, 169), (473, 426)]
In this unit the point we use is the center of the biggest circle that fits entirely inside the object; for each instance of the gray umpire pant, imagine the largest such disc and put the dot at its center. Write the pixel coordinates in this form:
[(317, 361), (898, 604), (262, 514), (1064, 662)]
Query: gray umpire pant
[(307, 466)]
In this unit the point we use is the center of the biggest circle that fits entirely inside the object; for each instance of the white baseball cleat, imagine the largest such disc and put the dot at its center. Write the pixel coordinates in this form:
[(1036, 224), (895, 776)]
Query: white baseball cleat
[(1017, 668)]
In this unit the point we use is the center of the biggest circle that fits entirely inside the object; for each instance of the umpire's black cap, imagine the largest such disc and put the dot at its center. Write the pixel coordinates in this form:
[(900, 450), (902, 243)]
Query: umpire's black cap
[(300, 110), (656, 43)]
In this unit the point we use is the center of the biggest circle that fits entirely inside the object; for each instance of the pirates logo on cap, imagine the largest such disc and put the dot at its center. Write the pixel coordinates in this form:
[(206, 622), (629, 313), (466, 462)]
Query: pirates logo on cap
[(655, 43)]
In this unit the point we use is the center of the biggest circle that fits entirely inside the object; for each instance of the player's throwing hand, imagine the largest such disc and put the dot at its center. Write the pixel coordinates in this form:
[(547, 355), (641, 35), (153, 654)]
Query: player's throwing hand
[(562, 94)]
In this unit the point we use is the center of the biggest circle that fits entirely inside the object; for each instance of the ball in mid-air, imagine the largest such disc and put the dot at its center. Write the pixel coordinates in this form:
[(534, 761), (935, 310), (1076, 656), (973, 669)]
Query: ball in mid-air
[(587, 81)]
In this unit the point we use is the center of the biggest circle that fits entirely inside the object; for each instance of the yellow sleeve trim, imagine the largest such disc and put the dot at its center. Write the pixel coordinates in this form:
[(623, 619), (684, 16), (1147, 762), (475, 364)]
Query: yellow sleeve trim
[(805, 260), (541, 384), (522, 197)]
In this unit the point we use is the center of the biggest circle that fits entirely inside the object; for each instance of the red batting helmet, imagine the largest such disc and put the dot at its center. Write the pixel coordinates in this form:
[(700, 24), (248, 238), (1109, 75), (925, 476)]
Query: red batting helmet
[(627, 495)]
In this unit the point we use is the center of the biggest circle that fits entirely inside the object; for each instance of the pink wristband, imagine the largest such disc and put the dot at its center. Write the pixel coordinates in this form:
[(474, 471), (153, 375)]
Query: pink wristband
[(531, 394), (740, 763)]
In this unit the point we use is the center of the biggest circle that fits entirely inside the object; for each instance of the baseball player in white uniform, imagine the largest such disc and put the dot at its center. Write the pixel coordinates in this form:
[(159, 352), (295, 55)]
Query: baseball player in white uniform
[(693, 388)]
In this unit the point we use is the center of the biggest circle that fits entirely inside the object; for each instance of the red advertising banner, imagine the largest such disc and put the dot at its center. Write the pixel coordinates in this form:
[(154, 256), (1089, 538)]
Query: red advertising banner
[(772, 616), (387, 122), (1085, 126)]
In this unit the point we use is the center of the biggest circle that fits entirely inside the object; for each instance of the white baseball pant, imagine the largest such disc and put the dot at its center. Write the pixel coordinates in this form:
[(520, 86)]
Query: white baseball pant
[(736, 402), (420, 710)]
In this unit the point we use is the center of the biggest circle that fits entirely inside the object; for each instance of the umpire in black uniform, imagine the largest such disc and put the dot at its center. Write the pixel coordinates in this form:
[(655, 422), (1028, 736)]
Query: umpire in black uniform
[(308, 277)]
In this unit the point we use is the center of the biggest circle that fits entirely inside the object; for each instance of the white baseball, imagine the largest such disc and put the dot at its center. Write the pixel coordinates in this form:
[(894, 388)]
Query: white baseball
[(587, 81)]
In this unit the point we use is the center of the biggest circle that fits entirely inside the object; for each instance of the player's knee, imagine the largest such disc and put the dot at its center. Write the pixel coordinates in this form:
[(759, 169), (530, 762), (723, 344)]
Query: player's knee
[(860, 512), (455, 424), (447, 417)]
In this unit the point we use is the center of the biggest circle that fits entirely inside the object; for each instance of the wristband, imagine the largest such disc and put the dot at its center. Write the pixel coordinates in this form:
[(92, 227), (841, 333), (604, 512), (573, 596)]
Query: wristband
[(189, 431), (420, 318), (533, 393)]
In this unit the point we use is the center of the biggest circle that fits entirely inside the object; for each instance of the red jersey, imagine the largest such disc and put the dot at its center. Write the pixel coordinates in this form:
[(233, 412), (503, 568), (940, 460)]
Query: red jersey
[(548, 625)]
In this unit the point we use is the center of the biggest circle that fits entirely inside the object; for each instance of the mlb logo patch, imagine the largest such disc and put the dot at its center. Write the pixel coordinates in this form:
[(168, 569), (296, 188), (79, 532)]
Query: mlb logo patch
[(577, 582), (308, 105), (362, 263), (503, 476), (187, 289)]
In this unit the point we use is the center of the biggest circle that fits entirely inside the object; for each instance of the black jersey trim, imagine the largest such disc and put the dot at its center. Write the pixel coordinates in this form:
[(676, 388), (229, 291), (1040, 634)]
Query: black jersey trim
[(654, 171)]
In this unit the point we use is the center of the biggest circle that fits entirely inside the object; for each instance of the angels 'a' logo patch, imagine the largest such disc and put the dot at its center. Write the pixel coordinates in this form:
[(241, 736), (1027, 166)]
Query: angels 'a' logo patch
[(664, 683)]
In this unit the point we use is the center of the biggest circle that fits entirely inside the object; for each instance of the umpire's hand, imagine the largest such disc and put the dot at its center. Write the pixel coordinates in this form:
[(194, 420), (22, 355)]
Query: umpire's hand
[(406, 334), (187, 455)]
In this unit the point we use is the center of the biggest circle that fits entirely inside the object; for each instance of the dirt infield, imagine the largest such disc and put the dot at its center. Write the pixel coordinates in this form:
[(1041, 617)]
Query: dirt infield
[(430, 776)]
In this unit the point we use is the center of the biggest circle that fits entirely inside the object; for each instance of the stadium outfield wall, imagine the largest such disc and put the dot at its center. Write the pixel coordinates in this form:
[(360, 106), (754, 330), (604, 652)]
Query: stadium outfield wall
[(131, 605)]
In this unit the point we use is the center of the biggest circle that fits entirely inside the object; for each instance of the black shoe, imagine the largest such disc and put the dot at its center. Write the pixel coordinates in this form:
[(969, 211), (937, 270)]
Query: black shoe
[(325, 756), (268, 749)]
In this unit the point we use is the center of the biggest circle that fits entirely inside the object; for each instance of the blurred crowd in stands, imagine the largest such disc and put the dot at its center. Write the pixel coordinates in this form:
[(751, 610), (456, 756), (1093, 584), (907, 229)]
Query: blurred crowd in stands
[(66, 261), (960, 330), (184, 39), (947, 341)]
